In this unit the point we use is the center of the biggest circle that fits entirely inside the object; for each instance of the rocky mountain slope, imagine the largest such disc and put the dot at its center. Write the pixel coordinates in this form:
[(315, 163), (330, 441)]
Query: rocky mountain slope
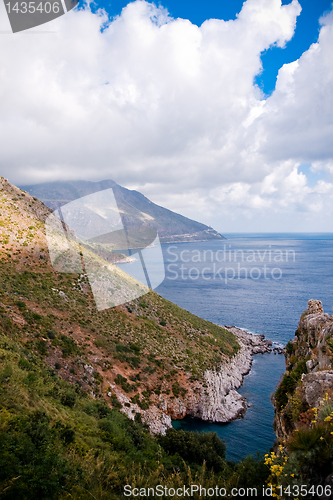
[(304, 407), (146, 357), (135, 209)]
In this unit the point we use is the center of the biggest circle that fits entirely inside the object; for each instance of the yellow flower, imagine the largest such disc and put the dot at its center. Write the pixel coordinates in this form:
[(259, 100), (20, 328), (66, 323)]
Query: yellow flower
[(292, 475)]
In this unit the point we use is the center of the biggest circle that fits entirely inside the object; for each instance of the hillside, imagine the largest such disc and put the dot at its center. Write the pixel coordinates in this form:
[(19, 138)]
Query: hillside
[(304, 408), (149, 353), (135, 209), (78, 386)]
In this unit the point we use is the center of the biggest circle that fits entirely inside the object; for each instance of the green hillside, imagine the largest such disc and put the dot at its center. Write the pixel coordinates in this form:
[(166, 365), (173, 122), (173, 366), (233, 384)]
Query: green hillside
[(62, 433)]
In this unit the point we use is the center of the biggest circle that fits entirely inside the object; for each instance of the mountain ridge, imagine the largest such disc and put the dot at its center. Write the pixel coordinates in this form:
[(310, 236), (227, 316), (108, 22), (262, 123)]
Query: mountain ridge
[(134, 207)]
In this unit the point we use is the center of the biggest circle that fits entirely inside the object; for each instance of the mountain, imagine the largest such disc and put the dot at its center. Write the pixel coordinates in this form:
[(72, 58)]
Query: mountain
[(304, 408), (134, 207)]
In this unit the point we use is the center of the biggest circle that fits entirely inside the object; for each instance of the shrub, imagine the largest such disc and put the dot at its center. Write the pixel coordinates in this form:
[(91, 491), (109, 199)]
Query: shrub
[(305, 438), (290, 347), (42, 347), (68, 398), (289, 383), (21, 305), (175, 389), (195, 448), (24, 364)]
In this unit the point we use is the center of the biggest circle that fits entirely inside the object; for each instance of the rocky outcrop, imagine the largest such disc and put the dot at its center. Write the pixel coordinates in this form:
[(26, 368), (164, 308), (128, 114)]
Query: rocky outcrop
[(309, 370), (214, 398), (304, 407)]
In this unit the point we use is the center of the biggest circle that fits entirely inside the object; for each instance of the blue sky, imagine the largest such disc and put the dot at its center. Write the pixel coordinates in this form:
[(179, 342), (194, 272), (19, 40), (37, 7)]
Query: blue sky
[(179, 110), (307, 28)]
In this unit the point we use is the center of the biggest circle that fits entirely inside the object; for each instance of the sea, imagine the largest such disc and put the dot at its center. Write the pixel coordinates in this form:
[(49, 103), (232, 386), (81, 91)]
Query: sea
[(258, 282)]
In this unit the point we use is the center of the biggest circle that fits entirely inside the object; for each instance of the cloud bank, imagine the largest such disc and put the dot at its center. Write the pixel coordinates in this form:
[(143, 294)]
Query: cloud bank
[(171, 109)]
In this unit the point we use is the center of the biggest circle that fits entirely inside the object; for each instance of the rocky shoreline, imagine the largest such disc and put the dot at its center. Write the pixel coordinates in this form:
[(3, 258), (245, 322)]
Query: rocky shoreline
[(214, 399)]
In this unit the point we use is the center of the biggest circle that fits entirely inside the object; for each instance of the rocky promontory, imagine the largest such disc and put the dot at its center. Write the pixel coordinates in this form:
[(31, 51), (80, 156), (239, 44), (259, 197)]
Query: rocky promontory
[(215, 398), (303, 453), (309, 370)]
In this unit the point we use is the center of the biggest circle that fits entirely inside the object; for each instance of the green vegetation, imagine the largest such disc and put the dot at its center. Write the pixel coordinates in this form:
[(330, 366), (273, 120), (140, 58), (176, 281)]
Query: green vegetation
[(62, 434), (304, 414), (57, 442), (289, 383)]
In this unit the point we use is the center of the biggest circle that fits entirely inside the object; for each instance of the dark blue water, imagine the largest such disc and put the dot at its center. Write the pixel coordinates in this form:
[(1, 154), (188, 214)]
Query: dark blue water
[(259, 282)]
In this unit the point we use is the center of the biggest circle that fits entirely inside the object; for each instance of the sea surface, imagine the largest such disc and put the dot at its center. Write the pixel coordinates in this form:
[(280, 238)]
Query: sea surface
[(259, 282)]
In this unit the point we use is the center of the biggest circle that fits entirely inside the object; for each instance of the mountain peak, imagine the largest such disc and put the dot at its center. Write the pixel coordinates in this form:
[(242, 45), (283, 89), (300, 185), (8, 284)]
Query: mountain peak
[(135, 209)]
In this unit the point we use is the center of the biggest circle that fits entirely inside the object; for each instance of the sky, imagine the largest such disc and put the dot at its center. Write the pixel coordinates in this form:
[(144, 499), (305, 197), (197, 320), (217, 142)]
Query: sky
[(221, 111)]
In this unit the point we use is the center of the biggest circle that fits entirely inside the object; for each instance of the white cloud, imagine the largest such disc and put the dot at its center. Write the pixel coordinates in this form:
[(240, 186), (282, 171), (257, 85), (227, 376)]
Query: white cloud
[(171, 108)]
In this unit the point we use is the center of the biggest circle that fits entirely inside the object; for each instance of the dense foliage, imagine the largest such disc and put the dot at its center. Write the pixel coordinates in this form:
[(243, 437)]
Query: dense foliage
[(57, 442)]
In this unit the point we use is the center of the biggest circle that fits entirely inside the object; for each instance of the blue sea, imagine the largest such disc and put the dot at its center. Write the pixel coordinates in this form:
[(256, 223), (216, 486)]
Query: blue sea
[(259, 282)]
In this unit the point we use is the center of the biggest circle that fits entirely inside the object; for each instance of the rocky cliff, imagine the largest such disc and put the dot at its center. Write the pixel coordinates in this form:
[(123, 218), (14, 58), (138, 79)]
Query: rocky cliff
[(213, 398), (309, 370), (304, 407)]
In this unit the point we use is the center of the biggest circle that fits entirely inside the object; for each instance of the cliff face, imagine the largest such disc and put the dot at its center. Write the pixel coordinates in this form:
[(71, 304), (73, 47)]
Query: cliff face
[(304, 407), (309, 369), (214, 398)]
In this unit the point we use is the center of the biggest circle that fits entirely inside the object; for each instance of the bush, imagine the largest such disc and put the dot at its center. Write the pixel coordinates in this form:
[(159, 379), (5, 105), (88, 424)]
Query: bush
[(290, 347), (31, 453), (42, 347), (21, 305), (175, 389), (68, 398), (195, 448), (24, 364), (289, 383)]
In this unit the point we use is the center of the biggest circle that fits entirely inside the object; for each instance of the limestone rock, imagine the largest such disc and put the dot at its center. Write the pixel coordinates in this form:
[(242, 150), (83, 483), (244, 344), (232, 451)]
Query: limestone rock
[(214, 398), (315, 307), (314, 344)]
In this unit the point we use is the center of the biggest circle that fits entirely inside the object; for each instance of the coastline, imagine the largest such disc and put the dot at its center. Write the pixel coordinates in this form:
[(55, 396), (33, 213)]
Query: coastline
[(214, 398)]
